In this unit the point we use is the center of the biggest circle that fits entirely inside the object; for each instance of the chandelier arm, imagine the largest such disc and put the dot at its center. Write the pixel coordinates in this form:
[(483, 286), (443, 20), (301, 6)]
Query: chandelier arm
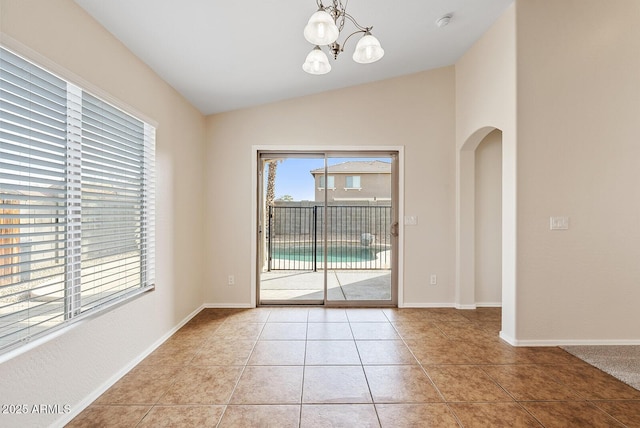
[(354, 22), (339, 12), (365, 30)]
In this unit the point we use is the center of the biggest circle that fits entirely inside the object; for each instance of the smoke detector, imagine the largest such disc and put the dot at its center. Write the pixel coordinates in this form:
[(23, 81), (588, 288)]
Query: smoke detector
[(444, 20)]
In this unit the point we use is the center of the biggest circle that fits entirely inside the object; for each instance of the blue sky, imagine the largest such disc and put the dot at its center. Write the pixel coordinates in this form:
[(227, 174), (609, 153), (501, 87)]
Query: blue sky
[(294, 178)]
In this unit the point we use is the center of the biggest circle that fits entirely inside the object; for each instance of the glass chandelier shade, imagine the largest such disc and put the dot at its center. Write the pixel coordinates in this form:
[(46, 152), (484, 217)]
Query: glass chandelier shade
[(321, 29), (325, 27), (368, 50), (317, 62)]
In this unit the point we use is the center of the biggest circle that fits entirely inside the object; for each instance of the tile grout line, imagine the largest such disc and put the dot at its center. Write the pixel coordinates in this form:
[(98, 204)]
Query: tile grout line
[(244, 367), (183, 367), (446, 403), (355, 343), (304, 371)]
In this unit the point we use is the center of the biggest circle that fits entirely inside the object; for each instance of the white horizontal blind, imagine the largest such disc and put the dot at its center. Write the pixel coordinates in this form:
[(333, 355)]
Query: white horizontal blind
[(76, 202), (149, 208), (112, 202), (33, 106)]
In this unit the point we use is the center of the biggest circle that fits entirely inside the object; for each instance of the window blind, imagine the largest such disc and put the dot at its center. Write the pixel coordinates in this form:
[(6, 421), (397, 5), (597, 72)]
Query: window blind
[(76, 202)]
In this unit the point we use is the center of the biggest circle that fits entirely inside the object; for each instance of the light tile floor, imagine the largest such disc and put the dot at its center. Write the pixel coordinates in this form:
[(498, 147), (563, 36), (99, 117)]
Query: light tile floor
[(316, 367)]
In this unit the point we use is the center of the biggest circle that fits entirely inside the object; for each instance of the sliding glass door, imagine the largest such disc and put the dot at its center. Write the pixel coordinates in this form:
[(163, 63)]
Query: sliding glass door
[(327, 228), (289, 212), (361, 229)]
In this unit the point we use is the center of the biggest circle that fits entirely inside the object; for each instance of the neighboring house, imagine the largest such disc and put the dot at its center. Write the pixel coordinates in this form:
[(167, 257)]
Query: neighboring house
[(354, 181)]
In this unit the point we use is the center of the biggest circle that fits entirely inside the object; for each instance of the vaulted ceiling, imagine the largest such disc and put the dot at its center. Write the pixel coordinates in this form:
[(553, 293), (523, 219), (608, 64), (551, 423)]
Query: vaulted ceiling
[(226, 55)]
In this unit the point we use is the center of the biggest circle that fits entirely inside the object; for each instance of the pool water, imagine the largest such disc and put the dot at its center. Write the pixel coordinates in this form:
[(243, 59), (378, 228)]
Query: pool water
[(339, 254)]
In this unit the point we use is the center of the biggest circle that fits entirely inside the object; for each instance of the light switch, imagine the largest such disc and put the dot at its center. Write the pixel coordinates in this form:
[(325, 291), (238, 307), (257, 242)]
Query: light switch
[(410, 220), (559, 223)]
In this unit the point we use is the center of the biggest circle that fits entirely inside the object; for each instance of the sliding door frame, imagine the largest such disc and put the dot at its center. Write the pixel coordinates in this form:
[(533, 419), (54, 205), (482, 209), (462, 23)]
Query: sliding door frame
[(260, 240), (331, 151)]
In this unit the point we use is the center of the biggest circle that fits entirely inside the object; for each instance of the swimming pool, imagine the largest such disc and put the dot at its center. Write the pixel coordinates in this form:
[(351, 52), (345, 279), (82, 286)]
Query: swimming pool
[(335, 253)]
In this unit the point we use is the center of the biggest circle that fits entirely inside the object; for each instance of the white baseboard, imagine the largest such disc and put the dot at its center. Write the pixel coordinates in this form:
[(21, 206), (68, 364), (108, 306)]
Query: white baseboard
[(228, 306), (574, 342), (400, 305), (465, 307), (126, 369), (427, 305), (566, 342), (489, 304), (510, 340), (452, 305)]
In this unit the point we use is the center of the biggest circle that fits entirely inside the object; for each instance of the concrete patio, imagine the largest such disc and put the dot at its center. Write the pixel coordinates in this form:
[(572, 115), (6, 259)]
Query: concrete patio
[(342, 285)]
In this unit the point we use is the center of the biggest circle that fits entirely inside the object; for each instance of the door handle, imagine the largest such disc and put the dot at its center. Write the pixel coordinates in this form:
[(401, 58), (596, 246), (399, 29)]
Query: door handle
[(394, 229)]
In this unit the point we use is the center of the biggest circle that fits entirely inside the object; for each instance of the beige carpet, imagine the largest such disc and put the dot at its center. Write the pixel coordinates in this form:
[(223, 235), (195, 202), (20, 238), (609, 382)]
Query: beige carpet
[(622, 362)]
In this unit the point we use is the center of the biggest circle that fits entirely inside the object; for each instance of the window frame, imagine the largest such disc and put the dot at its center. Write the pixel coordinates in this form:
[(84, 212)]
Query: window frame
[(352, 187), (73, 312), (331, 179)]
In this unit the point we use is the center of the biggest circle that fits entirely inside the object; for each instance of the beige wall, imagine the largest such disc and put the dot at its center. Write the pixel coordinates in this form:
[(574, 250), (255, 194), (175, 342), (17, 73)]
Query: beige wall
[(578, 154), (486, 100), (575, 125), (488, 220), (71, 368), (415, 111)]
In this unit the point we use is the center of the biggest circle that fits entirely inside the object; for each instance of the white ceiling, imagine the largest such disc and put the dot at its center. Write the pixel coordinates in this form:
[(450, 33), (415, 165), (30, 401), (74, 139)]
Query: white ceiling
[(226, 55)]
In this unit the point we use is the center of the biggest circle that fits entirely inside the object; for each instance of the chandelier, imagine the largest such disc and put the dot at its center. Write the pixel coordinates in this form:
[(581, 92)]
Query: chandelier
[(324, 28)]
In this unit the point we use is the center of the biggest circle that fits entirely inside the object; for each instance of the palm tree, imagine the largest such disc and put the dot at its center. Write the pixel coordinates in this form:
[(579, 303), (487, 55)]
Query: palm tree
[(271, 182), (270, 199)]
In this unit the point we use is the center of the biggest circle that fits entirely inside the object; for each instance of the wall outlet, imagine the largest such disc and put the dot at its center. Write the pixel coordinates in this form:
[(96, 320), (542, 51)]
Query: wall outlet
[(231, 280), (433, 279)]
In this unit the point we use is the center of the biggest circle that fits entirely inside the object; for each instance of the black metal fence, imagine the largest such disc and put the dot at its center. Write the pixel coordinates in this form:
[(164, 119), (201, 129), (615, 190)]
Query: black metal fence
[(358, 237)]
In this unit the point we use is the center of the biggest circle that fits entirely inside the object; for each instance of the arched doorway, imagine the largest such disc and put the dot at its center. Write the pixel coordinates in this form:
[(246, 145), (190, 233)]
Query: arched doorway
[(465, 221), (488, 221)]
